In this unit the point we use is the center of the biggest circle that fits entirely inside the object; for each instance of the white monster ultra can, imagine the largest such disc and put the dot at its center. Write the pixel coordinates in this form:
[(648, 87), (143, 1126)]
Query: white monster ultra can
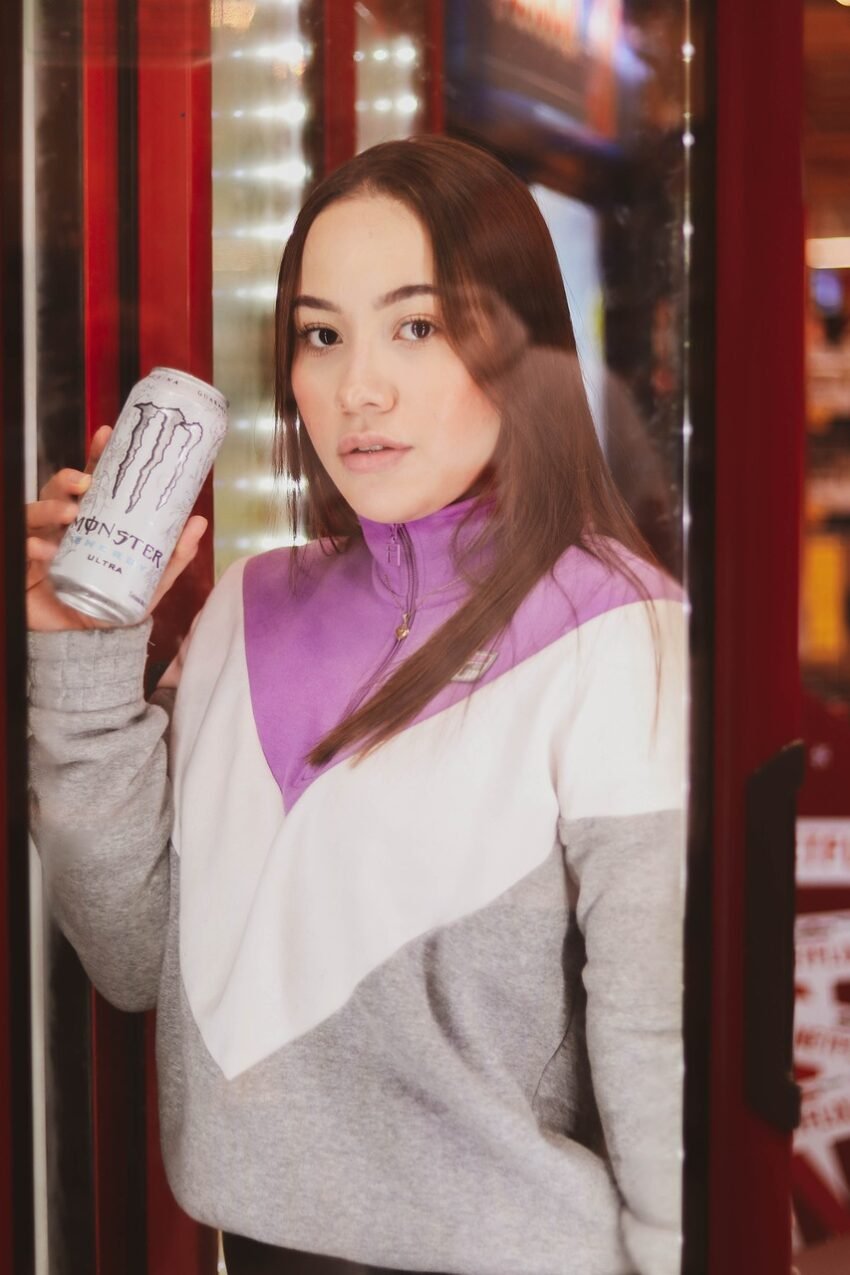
[(111, 558)]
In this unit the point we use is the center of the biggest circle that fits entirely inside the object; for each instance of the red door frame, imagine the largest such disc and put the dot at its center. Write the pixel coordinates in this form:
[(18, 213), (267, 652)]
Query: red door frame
[(113, 1040), (173, 319), (175, 237), (759, 451), (16, 1141), (338, 85), (175, 329)]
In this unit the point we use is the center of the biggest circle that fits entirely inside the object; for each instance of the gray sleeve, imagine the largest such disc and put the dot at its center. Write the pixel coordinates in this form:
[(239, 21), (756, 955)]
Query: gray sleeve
[(630, 912), (100, 803), (623, 773)]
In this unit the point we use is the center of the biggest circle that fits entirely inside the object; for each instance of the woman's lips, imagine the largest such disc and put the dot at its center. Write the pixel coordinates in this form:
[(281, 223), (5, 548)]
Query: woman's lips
[(370, 462)]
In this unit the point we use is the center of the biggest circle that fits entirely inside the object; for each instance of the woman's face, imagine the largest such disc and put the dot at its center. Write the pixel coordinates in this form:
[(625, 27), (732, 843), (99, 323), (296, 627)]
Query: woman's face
[(373, 368)]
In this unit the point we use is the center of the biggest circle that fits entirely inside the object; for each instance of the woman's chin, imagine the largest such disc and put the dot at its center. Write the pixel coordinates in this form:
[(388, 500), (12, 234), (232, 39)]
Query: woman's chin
[(388, 502), (385, 502)]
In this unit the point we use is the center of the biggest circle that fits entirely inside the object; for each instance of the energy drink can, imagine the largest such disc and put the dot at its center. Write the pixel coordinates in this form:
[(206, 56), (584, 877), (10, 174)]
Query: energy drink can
[(111, 558)]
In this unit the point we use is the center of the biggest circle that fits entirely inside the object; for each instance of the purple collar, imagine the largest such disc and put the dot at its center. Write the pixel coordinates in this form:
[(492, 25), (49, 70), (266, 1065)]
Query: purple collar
[(413, 565), (313, 653)]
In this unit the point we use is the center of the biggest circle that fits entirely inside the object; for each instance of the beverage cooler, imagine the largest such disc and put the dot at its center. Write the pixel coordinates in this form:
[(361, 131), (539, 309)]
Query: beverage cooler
[(155, 155)]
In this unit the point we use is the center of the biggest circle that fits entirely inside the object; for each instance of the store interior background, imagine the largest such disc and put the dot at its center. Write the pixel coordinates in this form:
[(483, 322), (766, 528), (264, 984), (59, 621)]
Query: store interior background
[(821, 1166)]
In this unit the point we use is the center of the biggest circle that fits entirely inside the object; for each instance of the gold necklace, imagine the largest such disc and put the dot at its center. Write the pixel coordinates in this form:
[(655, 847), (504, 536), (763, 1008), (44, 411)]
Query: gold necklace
[(403, 629)]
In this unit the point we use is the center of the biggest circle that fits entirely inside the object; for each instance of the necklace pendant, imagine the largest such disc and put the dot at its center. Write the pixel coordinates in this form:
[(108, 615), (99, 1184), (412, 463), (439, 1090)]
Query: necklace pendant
[(404, 628)]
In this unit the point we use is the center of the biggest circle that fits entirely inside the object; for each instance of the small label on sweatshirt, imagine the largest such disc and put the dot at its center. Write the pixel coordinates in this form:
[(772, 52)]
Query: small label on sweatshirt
[(475, 667)]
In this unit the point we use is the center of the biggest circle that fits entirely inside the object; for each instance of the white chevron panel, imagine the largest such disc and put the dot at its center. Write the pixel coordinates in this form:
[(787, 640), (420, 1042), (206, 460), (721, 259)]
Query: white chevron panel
[(282, 915)]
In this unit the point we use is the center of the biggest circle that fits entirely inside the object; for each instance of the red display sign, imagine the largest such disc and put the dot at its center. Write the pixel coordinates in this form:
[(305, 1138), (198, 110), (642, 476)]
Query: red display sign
[(822, 1065)]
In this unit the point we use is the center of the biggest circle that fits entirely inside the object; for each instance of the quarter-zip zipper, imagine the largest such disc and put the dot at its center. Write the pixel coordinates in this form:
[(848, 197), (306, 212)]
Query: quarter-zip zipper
[(400, 542), (409, 615)]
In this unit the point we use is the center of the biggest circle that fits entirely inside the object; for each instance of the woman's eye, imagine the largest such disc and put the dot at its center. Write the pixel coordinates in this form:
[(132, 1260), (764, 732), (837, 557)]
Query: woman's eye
[(318, 338), (420, 329)]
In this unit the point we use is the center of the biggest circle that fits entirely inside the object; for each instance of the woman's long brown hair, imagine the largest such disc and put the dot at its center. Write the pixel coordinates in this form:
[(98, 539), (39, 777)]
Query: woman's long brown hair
[(505, 312)]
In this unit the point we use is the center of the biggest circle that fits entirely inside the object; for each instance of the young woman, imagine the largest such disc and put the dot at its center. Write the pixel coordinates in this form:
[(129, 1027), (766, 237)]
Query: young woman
[(404, 878)]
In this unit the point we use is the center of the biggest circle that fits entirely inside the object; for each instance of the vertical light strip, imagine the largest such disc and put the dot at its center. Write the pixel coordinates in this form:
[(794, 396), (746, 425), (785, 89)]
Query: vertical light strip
[(39, 1083), (688, 52), (29, 251), (260, 106)]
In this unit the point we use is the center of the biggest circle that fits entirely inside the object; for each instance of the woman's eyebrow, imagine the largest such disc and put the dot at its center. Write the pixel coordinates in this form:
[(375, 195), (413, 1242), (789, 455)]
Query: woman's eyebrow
[(404, 292), (389, 298), (315, 303)]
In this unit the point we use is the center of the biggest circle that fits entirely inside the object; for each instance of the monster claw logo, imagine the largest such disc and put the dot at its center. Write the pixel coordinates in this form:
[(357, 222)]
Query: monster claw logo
[(172, 427)]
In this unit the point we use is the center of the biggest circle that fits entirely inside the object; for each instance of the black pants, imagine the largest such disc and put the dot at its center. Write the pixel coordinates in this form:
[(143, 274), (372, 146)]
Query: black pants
[(249, 1257)]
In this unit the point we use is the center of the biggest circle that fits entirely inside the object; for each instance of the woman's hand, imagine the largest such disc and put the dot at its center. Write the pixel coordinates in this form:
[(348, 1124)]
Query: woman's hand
[(47, 520)]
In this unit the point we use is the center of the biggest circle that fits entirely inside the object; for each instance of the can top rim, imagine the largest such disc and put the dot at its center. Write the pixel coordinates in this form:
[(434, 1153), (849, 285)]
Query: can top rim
[(187, 376)]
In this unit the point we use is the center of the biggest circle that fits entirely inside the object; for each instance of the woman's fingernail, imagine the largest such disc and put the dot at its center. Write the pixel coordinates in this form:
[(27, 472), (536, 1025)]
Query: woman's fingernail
[(82, 482)]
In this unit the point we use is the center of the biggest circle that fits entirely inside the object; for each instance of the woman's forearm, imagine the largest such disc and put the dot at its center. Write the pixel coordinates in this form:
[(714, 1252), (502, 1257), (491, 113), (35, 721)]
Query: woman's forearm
[(101, 809)]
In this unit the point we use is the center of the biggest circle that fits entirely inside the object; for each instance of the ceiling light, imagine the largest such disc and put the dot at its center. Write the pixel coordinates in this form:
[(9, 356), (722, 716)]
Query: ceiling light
[(829, 254)]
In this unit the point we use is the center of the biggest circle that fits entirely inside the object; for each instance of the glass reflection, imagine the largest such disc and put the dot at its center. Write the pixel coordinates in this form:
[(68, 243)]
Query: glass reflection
[(591, 101), (391, 58), (588, 107), (585, 104)]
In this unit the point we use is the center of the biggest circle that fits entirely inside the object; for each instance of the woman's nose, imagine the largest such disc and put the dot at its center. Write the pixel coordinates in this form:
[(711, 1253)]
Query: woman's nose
[(362, 385)]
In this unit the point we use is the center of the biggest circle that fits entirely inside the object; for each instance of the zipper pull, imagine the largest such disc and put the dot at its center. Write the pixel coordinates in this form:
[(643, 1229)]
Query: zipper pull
[(404, 628)]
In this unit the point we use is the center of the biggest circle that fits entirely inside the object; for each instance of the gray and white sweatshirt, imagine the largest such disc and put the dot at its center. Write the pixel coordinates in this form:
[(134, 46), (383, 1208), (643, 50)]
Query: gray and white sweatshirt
[(419, 1011)]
